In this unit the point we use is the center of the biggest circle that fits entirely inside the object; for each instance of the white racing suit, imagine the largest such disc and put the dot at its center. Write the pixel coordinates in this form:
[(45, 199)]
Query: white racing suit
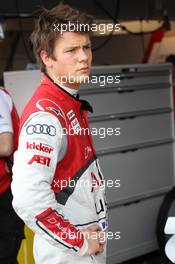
[(57, 183)]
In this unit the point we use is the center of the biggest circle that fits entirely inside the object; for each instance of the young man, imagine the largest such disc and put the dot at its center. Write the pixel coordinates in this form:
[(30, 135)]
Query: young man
[(11, 226), (57, 183)]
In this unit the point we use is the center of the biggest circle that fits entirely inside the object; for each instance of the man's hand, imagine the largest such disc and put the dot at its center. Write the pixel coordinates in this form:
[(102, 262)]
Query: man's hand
[(95, 238)]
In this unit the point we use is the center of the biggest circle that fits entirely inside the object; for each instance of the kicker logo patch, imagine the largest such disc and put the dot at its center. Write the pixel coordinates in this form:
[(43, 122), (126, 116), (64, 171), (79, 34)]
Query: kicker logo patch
[(40, 147)]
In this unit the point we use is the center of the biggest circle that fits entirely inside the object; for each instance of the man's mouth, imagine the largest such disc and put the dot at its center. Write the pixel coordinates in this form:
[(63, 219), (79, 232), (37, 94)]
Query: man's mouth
[(83, 69)]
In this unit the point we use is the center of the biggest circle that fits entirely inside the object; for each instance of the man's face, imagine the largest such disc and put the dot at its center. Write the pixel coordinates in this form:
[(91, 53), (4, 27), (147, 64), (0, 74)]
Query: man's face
[(73, 58)]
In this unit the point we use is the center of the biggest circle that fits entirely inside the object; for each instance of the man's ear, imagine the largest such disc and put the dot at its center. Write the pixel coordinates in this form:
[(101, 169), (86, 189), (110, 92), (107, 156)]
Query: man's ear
[(46, 59)]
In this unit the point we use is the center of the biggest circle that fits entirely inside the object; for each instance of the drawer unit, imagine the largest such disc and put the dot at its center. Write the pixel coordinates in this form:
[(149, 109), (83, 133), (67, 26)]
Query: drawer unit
[(139, 100), (131, 76), (136, 224), (127, 82), (141, 173), (134, 130)]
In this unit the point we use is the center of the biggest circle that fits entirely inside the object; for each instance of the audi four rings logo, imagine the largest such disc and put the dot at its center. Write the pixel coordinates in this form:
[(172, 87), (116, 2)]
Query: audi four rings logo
[(41, 129)]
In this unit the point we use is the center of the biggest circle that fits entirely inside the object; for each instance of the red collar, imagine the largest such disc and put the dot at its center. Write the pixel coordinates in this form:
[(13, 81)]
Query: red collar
[(76, 102)]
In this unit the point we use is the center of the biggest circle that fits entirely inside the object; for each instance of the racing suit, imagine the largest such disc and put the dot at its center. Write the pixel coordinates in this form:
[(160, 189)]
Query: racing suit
[(58, 186)]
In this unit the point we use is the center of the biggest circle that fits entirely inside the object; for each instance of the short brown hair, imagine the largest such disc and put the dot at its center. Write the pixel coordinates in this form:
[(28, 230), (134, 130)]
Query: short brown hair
[(43, 36)]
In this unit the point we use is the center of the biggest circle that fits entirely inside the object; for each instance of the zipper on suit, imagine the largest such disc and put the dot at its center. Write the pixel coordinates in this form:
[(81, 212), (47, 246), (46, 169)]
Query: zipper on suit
[(93, 259), (84, 122)]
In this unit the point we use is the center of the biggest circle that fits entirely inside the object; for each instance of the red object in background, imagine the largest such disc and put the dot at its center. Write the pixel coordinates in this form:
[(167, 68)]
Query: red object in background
[(155, 37)]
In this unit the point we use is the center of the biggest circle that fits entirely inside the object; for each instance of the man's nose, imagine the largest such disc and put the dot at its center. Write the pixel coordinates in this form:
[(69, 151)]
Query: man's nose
[(82, 55)]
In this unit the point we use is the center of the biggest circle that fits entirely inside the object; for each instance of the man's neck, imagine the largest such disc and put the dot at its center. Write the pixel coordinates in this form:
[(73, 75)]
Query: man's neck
[(72, 90)]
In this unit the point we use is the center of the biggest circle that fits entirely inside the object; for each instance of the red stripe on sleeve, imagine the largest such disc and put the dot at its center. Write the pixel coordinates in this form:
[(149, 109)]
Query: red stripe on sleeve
[(61, 227)]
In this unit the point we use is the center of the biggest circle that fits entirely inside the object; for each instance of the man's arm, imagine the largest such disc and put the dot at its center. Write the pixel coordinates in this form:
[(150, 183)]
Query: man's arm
[(6, 129), (6, 144), (35, 161)]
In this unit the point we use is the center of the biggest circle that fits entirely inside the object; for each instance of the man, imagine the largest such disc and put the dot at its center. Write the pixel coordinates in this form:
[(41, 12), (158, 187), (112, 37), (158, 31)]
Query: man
[(11, 226), (57, 183)]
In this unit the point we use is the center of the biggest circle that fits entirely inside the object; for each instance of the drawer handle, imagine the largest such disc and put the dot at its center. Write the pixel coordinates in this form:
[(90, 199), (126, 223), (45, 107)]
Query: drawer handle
[(130, 203), (130, 150), (126, 77), (128, 117), (125, 91)]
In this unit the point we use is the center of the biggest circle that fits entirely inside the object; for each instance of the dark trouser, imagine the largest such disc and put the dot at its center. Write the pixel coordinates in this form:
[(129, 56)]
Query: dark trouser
[(11, 230)]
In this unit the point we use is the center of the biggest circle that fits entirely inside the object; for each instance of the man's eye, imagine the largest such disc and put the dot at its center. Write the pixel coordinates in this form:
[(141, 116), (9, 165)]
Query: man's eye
[(70, 50)]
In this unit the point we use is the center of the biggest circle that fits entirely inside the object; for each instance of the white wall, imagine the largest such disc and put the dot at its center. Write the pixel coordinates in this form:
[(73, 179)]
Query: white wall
[(21, 85)]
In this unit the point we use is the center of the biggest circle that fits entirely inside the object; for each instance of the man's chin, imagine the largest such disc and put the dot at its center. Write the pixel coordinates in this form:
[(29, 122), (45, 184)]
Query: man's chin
[(78, 79), (82, 78)]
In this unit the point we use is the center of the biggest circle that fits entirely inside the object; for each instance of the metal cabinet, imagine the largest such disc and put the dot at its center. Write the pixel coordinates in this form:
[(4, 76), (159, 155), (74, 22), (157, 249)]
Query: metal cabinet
[(139, 161)]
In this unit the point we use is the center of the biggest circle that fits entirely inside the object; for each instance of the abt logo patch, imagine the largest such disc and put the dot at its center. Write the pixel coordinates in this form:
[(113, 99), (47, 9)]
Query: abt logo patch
[(40, 160)]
